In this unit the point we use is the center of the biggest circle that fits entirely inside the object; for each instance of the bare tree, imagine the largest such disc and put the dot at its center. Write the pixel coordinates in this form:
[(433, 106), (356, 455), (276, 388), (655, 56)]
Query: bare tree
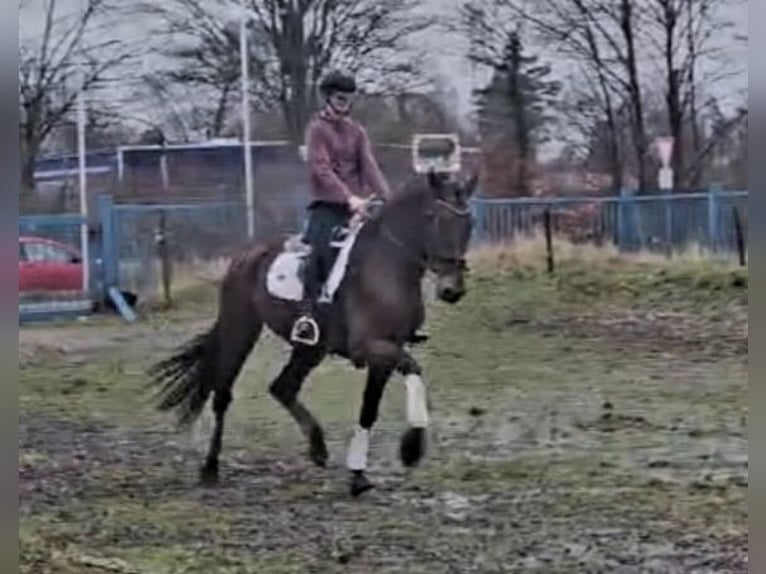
[(68, 55), (516, 106), (201, 50), (625, 52), (728, 141), (597, 35), (295, 43), (683, 31)]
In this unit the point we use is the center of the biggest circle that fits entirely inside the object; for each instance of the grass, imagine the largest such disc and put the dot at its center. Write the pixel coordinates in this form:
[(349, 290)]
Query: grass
[(555, 429)]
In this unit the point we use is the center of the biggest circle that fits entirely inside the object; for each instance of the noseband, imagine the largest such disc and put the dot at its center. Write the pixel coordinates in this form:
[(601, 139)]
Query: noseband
[(458, 263)]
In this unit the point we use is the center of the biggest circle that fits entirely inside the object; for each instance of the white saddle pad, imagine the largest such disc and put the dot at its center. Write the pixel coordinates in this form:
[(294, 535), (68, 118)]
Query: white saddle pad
[(283, 278)]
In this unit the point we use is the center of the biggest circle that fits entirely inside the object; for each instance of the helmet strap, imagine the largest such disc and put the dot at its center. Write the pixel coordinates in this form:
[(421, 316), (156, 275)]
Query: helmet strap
[(335, 110)]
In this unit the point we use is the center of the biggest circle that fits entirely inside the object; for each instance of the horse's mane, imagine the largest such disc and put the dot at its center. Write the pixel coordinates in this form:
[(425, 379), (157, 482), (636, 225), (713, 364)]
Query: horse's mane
[(411, 192)]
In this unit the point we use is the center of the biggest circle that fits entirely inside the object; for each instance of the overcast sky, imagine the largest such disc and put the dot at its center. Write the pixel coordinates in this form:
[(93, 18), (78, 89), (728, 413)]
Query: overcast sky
[(448, 50)]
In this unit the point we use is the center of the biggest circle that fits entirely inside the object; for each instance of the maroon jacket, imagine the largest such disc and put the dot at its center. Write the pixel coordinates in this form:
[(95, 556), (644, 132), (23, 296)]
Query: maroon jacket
[(340, 160)]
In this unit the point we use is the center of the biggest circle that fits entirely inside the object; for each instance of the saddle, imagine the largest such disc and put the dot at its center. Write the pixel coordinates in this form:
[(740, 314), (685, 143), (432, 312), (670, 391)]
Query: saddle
[(284, 279)]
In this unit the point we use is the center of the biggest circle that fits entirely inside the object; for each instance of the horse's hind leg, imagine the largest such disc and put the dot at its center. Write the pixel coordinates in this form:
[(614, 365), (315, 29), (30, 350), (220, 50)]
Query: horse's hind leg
[(285, 389), (233, 351)]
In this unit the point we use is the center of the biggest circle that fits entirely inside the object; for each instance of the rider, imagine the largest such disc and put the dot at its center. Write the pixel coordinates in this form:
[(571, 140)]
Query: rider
[(343, 173)]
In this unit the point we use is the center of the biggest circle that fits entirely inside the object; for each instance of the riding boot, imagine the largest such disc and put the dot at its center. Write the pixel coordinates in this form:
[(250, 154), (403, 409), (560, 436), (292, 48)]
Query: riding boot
[(306, 328), (323, 222)]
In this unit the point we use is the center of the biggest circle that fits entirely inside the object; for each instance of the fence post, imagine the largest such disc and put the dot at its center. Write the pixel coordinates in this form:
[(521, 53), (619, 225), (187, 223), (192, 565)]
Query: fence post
[(712, 217), (625, 218), (549, 238), (108, 243), (669, 225), (740, 236), (163, 252)]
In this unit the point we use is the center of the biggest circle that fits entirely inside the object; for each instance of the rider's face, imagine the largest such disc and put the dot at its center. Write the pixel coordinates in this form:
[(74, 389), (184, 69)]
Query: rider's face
[(341, 102)]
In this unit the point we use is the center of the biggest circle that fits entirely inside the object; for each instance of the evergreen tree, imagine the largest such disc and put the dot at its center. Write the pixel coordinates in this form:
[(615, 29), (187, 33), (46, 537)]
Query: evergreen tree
[(514, 110)]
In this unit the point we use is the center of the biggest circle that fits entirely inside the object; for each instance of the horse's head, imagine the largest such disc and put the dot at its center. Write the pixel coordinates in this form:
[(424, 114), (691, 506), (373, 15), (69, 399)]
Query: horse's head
[(448, 231)]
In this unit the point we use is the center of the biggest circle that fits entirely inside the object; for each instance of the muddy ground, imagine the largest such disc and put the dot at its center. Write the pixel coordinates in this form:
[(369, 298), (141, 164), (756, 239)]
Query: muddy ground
[(575, 429)]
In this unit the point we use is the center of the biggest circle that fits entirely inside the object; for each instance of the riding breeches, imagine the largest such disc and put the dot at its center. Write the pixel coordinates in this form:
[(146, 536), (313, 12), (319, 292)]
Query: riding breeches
[(325, 219)]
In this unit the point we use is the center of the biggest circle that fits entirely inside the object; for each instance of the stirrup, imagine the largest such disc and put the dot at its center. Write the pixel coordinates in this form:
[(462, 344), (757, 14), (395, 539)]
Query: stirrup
[(296, 336)]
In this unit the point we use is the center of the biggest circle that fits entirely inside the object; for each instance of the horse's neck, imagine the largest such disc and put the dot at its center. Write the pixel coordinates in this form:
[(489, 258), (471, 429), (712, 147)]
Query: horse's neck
[(398, 232)]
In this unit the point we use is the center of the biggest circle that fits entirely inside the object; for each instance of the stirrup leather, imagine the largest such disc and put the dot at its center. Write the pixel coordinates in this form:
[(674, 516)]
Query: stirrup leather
[(300, 325)]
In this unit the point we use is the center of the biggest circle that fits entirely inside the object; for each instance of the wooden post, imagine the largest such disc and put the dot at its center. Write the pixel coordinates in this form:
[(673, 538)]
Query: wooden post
[(163, 252), (740, 236), (549, 239), (598, 227)]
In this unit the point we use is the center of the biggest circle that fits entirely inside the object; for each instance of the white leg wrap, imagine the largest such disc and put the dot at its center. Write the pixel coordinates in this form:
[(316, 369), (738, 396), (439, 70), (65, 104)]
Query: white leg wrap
[(356, 459), (417, 411)]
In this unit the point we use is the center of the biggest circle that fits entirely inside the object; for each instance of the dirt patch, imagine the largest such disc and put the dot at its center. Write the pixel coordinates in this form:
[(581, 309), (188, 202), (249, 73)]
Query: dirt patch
[(96, 335), (656, 332), (98, 496)]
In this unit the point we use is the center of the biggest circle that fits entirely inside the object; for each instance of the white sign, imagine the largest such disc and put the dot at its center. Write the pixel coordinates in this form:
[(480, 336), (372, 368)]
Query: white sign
[(440, 152), (666, 178), (664, 149)]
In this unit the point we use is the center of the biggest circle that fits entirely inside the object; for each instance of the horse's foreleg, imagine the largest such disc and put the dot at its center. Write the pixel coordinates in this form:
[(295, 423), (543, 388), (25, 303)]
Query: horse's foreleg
[(356, 459), (413, 442), (285, 389)]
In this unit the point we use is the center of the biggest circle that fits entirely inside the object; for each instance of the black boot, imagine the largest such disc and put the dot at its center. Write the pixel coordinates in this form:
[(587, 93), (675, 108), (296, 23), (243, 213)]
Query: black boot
[(306, 328)]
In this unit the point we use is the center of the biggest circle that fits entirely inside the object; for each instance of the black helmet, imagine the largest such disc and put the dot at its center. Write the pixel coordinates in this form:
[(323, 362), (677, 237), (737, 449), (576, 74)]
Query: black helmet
[(337, 81)]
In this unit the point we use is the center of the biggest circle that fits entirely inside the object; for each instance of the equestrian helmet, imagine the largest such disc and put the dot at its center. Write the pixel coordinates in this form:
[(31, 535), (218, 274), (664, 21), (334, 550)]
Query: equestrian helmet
[(337, 81)]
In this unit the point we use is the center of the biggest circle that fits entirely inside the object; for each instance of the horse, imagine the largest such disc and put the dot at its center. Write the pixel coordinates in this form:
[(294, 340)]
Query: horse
[(372, 320)]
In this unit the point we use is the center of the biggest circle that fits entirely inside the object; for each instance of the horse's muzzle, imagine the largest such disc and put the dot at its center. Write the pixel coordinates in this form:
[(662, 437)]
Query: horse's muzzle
[(450, 288)]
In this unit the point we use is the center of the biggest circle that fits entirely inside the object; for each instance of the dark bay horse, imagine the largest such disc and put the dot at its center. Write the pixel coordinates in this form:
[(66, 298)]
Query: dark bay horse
[(374, 315)]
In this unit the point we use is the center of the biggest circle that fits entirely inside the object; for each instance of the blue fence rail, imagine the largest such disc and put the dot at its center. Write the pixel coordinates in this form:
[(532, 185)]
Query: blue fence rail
[(663, 223)]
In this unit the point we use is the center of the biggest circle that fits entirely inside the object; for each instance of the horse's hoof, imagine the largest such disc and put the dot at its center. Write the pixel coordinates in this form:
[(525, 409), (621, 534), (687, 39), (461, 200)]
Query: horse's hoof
[(412, 446), (318, 450), (418, 338), (359, 483), (208, 475)]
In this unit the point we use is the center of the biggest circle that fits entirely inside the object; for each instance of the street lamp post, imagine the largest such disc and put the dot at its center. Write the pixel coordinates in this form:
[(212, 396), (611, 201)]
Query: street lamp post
[(84, 239), (248, 159)]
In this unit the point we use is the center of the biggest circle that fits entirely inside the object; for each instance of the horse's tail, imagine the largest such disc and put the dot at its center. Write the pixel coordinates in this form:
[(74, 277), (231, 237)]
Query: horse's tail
[(186, 378)]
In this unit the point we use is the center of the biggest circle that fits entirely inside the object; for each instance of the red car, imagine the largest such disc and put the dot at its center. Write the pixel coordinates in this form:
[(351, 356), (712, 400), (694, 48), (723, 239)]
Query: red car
[(47, 265)]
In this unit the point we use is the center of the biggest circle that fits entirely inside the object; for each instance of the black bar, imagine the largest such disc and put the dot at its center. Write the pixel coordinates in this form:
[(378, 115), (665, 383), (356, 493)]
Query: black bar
[(740, 236), (549, 239)]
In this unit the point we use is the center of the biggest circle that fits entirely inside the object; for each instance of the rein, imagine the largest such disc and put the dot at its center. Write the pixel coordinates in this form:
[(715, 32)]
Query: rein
[(424, 260)]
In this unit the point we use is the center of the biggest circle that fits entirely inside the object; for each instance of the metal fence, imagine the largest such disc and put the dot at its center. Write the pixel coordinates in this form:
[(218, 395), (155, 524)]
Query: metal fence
[(148, 244), (51, 268), (661, 223)]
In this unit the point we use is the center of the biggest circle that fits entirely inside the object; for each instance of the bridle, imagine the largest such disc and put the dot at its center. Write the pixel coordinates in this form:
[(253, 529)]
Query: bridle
[(429, 260)]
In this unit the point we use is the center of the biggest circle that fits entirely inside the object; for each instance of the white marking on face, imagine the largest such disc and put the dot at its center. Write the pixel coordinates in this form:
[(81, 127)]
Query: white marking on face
[(356, 458), (417, 410)]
